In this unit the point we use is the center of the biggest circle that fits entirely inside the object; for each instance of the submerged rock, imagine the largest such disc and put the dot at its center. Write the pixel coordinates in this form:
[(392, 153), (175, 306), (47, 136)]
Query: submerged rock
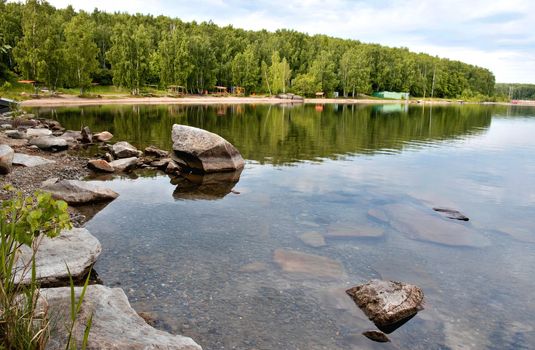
[(421, 224), (363, 231), (79, 192), (451, 214), (30, 161), (303, 263), (103, 136), (75, 248), (49, 143), (6, 159), (377, 336), (387, 302), (100, 165), (204, 151), (313, 239), (123, 149), (115, 325), (124, 164)]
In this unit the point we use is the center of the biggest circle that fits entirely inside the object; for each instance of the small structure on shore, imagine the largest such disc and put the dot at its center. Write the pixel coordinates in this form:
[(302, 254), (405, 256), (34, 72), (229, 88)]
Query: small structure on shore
[(237, 90), (392, 95), (221, 90), (320, 94), (6, 104)]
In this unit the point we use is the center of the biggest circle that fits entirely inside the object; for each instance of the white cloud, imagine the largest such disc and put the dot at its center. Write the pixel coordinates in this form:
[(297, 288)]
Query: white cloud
[(493, 34)]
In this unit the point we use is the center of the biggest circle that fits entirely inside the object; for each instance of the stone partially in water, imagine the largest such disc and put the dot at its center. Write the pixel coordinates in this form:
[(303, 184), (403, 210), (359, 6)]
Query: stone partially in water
[(37, 132), (79, 192), (100, 165), (103, 136), (387, 302), (6, 159), (49, 143), (302, 263), (75, 248), (204, 151), (30, 161), (362, 231), (313, 239), (124, 164), (155, 152), (115, 325), (87, 135), (376, 336), (420, 224), (451, 214), (125, 150)]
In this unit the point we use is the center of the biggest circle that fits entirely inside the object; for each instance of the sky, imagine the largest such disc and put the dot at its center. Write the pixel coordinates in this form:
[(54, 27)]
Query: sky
[(495, 34)]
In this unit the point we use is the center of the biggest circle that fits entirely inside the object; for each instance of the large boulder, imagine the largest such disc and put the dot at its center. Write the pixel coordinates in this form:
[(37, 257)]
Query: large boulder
[(204, 151), (77, 192), (30, 161), (49, 143), (115, 325), (75, 248), (6, 159), (387, 302), (125, 150)]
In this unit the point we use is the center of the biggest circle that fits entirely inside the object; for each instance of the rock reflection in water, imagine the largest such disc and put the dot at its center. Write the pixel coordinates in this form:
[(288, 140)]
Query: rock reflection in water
[(205, 186)]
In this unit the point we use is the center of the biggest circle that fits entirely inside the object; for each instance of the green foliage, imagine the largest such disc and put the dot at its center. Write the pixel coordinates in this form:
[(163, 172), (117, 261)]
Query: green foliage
[(516, 91), (80, 51), (134, 51), (306, 85), (24, 221)]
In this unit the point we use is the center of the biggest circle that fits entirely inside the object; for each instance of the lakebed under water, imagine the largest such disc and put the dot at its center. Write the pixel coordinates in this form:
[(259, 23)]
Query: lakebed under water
[(214, 264)]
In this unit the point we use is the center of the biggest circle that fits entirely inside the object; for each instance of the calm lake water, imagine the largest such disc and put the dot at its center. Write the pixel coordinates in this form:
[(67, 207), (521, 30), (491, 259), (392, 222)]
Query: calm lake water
[(206, 262)]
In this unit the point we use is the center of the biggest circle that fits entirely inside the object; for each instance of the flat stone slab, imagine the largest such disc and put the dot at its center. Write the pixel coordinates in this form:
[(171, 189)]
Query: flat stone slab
[(387, 302), (357, 231), (115, 325), (425, 225), (297, 262), (313, 239), (38, 132), (123, 149), (30, 161), (79, 192), (76, 248), (49, 143)]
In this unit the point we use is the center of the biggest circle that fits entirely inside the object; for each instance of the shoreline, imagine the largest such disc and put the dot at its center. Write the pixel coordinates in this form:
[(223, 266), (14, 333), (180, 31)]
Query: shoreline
[(68, 100)]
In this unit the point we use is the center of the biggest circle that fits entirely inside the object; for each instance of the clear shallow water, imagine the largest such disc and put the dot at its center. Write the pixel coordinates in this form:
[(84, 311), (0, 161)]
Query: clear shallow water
[(206, 268)]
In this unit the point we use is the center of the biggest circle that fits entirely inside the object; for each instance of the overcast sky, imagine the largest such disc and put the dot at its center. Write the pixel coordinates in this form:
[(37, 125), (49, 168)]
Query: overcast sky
[(495, 34)]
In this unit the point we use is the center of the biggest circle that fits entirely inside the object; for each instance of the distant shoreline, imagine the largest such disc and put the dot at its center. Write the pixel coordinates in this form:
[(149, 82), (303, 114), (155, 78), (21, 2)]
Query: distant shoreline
[(68, 100)]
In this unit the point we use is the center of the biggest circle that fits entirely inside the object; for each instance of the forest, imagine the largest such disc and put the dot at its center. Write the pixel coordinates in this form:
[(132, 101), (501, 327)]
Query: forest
[(63, 48), (516, 91)]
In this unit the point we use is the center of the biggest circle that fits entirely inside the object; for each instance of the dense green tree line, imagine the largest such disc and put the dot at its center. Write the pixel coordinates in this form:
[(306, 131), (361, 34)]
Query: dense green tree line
[(65, 48), (516, 91)]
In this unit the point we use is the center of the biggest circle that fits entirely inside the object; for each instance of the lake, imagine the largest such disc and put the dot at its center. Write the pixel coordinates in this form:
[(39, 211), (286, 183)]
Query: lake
[(350, 191)]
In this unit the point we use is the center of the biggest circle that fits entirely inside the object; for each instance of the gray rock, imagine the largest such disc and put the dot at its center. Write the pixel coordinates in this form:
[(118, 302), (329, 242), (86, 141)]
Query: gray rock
[(115, 325), (6, 126), (161, 164), (49, 143), (6, 159), (103, 136), (79, 192), (155, 152), (124, 164), (451, 214), (387, 302), (37, 132), (125, 150), (71, 135), (204, 151), (422, 224), (376, 336), (15, 134), (30, 161), (87, 136), (100, 165), (75, 248), (302, 263)]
